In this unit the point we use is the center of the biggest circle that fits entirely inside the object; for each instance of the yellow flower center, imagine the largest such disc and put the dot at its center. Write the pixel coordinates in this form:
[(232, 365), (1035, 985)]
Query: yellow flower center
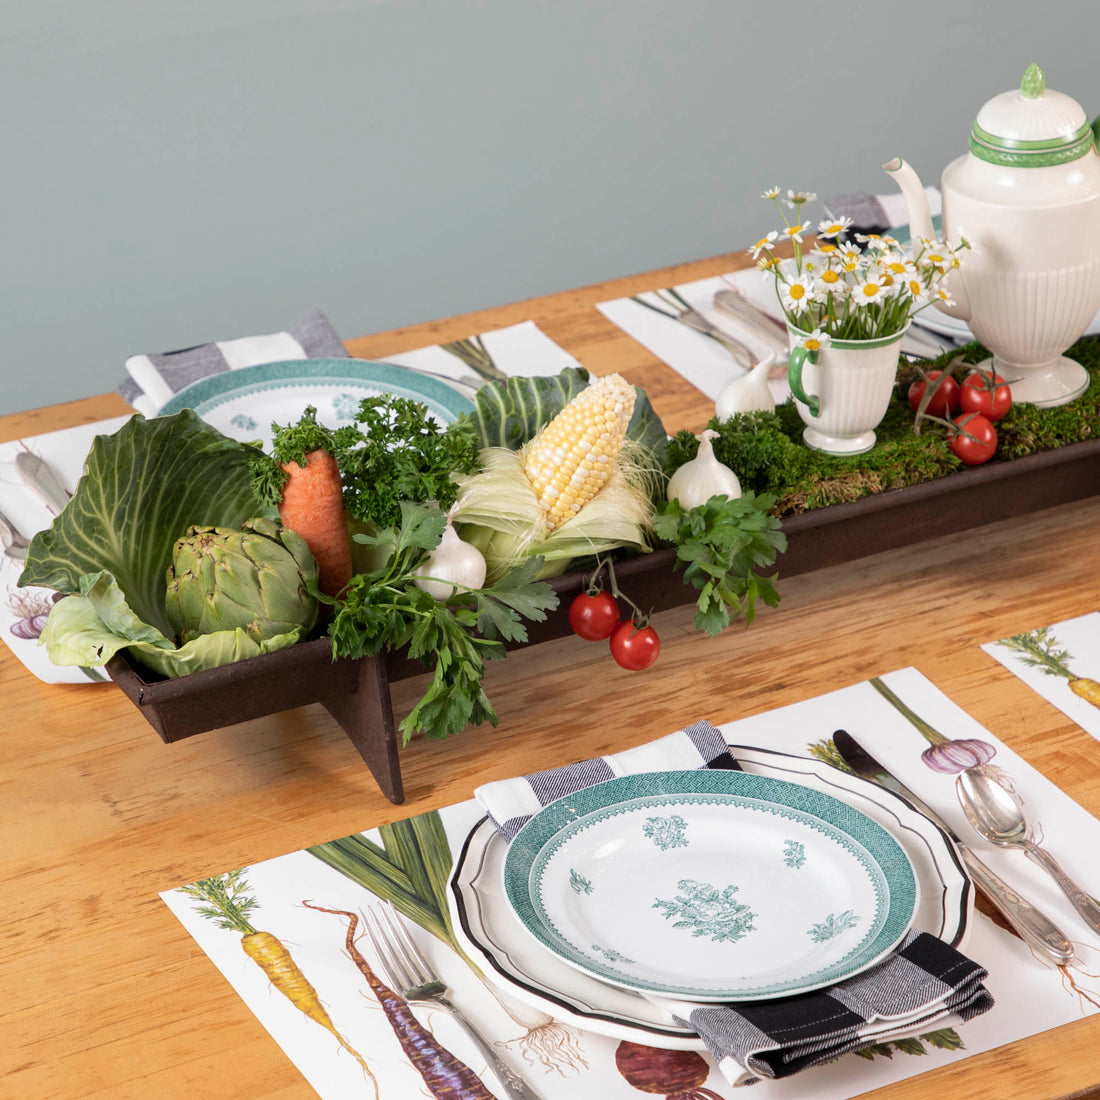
[(935, 258), (830, 276), (797, 291), (914, 287), (826, 248), (813, 345), (870, 289), (896, 268)]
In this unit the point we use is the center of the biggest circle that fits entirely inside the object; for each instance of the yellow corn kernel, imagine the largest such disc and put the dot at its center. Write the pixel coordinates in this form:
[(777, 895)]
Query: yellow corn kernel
[(571, 459)]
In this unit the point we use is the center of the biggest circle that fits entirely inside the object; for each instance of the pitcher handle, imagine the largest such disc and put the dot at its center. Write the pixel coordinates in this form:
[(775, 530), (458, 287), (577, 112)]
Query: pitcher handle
[(794, 376)]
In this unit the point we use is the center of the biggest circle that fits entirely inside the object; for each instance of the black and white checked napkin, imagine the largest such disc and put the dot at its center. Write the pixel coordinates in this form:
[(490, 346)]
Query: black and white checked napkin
[(153, 379), (923, 984)]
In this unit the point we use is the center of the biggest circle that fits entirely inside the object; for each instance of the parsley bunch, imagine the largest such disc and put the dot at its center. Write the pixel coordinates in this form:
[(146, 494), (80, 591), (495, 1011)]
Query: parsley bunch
[(386, 610), (395, 451), (723, 543)]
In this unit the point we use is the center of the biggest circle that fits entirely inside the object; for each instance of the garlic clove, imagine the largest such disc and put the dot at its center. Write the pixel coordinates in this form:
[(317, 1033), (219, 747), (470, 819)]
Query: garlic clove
[(703, 477), (749, 393)]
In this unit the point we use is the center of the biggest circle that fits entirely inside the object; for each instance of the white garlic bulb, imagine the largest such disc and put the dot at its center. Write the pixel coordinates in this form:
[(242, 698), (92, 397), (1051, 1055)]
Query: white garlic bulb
[(695, 482), (452, 565), (749, 393)]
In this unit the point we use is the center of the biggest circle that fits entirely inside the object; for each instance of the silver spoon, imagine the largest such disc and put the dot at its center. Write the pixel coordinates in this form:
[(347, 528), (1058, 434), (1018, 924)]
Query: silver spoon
[(997, 814)]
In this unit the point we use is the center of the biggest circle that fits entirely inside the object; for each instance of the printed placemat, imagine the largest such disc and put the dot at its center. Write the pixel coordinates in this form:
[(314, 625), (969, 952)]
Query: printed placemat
[(321, 1003)]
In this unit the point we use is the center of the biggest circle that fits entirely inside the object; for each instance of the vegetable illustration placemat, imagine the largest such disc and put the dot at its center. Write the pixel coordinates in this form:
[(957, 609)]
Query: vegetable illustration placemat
[(23, 611), (1060, 662), (288, 935)]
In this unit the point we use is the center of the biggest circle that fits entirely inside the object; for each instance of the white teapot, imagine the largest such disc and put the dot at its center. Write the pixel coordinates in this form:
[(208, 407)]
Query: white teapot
[(1027, 198)]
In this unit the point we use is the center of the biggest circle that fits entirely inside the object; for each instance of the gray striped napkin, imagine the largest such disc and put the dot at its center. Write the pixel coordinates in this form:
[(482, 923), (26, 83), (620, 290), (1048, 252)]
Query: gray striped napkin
[(153, 379), (922, 985), (511, 803)]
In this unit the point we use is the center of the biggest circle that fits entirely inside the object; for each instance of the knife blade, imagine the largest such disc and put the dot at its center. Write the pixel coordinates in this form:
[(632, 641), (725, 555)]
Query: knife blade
[(42, 481), (1034, 927)]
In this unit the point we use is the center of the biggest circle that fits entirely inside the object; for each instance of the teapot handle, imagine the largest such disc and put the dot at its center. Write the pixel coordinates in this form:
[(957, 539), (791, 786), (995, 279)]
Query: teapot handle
[(794, 376), (1096, 132)]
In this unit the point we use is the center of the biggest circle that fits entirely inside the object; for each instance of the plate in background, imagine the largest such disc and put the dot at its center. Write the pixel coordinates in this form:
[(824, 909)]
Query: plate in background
[(244, 403)]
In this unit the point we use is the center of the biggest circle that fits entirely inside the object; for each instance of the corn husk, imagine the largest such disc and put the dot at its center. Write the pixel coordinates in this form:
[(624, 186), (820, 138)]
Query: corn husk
[(498, 512)]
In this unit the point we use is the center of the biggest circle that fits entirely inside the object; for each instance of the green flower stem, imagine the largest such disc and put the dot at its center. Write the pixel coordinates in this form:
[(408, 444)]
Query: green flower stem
[(933, 736)]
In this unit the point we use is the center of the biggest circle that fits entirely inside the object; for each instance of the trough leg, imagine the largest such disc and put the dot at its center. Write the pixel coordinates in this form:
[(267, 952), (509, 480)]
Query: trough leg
[(365, 713)]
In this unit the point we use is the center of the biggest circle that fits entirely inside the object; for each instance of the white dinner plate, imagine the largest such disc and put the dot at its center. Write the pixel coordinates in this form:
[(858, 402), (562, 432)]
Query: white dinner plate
[(244, 403), (710, 885), (493, 936)]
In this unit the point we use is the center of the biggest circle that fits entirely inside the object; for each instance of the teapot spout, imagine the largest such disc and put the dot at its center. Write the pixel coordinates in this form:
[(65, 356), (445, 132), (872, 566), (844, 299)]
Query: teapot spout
[(920, 225), (920, 217)]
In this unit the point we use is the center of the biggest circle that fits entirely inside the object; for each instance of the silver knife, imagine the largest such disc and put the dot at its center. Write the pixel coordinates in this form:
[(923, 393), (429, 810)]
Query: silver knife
[(13, 543), (1033, 926), (42, 481), (734, 304)]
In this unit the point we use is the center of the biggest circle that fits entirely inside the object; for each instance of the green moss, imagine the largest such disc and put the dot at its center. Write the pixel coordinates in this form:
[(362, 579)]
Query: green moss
[(766, 451)]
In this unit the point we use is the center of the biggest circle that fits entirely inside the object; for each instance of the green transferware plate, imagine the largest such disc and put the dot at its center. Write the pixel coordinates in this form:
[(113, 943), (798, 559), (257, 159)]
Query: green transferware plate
[(710, 885), (244, 403)]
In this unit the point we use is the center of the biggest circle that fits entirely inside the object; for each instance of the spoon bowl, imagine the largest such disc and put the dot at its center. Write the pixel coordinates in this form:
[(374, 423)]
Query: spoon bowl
[(998, 815)]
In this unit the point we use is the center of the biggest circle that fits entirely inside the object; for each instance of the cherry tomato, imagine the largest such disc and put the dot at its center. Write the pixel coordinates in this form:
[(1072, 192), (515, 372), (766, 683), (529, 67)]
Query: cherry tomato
[(594, 617), (985, 393), (943, 401), (633, 647), (973, 452)]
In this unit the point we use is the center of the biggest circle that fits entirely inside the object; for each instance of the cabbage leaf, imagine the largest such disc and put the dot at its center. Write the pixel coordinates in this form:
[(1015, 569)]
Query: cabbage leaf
[(142, 487), (110, 548)]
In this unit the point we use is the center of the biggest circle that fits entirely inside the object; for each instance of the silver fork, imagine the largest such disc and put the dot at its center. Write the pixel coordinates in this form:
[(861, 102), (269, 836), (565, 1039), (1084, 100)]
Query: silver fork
[(679, 310), (407, 971)]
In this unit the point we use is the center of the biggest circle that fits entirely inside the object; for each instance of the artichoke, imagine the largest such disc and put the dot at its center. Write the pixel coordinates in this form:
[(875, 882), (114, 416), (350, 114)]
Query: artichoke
[(256, 579)]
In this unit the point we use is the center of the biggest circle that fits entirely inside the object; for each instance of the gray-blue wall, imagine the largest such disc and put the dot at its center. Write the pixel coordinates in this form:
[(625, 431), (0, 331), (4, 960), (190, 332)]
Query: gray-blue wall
[(178, 172)]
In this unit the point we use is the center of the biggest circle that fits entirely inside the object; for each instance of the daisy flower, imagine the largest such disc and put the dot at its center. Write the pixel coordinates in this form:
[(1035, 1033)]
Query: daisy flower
[(797, 198), (897, 264), (765, 244), (833, 227), (829, 281), (941, 295), (826, 249), (797, 294), (771, 193), (869, 289), (816, 340), (794, 232), (876, 242), (915, 289)]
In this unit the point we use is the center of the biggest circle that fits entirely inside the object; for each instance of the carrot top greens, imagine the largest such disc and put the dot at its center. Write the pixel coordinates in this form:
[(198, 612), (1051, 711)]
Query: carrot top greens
[(767, 453), (228, 901)]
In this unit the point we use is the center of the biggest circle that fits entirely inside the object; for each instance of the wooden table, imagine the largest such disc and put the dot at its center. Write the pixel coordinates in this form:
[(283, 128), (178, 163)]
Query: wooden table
[(103, 992)]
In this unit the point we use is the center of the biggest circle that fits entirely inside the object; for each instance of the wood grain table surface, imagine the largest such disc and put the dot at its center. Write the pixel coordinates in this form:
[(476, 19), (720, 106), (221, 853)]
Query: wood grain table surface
[(103, 993)]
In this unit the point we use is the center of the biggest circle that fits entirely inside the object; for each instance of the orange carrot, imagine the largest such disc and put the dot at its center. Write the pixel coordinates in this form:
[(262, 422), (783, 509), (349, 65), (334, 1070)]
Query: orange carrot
[(313, 506)]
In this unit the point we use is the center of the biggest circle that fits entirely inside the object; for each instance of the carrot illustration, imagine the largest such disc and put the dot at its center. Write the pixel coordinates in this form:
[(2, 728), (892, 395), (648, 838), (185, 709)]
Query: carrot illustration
[(229, 904), (446, 1077), (313, 506), (1039, 649)]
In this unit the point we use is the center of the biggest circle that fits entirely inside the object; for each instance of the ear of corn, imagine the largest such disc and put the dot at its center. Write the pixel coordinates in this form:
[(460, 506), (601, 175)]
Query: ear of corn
[(573, 457)]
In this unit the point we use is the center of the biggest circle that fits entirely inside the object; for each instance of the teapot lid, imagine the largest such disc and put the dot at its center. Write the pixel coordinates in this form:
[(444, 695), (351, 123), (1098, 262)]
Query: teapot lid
[(1031, 127)]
